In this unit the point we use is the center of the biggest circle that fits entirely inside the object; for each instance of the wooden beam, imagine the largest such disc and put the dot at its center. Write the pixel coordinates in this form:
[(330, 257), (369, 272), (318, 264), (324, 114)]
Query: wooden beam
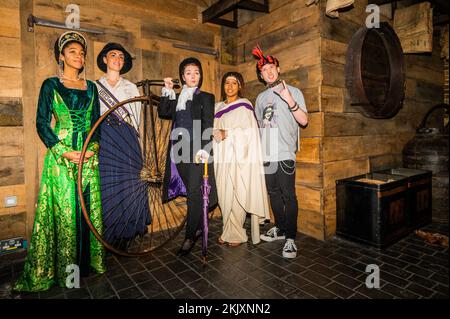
[(11, 111), (11, 143), (440, 19), (440, 4), (219, 9), (381, 2), (29, 101), (224, 22), (13, 86), (254, 6)]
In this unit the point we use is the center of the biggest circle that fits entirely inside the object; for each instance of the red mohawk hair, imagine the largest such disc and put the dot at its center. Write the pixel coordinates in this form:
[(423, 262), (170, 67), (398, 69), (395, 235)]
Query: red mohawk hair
[(257, 53), (262, 60)]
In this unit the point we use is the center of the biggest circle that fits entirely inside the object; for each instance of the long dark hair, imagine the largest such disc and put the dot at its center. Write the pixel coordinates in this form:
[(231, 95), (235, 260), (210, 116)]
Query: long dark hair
[(236, 75)]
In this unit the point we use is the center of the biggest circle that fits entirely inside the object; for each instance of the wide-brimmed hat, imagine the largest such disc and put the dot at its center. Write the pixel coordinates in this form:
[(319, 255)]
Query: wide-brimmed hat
[(187, 62), (128, 63)]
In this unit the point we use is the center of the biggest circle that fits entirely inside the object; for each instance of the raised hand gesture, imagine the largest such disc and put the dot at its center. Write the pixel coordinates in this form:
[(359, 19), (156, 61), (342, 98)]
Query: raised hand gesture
[(168, 83), (285, 94)]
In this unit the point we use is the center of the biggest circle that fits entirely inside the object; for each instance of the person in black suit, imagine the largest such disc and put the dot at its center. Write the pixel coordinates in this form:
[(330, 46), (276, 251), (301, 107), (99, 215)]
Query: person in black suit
[(192, 113)]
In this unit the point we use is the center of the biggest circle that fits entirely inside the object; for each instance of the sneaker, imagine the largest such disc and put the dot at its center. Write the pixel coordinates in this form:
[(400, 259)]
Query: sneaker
[(272, 235), (289, 249)]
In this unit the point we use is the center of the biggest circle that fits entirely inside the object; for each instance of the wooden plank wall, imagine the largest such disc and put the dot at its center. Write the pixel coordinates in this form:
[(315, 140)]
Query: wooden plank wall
[(143, 28), (338, 142), (353, 144), (148, 29), (291, 33), (12, 177)]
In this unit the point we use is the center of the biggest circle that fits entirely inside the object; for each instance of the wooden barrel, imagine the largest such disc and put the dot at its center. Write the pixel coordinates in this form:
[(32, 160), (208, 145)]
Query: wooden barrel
[(429, 150), (374, 72)]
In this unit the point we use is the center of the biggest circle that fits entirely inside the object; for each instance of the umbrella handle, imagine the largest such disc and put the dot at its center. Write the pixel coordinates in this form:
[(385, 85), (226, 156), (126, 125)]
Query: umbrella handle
[(205, 169), (202, 155)]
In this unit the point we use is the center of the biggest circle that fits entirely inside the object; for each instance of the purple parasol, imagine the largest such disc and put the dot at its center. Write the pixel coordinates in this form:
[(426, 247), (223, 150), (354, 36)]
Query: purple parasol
[(206, 189)]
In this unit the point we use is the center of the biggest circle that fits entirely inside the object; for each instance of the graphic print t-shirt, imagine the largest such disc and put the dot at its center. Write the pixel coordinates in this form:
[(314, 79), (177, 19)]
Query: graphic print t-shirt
[(279, 129)]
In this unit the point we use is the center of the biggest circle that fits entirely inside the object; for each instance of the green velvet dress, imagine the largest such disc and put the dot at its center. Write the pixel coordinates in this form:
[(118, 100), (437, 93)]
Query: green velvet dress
[(60, 235)]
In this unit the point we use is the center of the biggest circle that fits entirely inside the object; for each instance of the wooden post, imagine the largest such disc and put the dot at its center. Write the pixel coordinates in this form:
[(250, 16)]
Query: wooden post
[(29, 113)]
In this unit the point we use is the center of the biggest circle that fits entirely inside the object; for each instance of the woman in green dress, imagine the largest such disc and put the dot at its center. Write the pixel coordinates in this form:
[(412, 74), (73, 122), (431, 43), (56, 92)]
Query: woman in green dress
[(61, 243)]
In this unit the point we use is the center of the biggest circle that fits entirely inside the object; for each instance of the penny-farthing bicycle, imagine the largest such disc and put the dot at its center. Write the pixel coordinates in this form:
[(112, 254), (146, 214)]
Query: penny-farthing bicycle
[(144, 174)]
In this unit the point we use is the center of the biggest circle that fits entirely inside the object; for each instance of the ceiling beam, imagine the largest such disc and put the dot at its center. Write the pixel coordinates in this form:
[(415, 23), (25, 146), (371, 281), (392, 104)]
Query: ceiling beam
[(254, 6), (224, 22), (219, 9), (381, 2), (222, 7), (441, 19), (442, 5)]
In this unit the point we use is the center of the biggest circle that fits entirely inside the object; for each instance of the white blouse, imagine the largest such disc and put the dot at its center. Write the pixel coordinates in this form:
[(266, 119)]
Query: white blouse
[(124, 90)]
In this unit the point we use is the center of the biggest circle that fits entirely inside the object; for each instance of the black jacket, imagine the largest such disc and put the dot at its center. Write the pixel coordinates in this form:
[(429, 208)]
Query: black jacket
[(203, 110)]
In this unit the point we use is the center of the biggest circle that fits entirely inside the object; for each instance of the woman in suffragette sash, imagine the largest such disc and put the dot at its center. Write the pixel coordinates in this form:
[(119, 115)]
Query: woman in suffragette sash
[(125, 206)]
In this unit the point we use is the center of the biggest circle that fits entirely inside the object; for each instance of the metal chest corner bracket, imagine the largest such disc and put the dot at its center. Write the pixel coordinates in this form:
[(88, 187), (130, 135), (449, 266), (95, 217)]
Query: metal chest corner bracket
[(32, 21)]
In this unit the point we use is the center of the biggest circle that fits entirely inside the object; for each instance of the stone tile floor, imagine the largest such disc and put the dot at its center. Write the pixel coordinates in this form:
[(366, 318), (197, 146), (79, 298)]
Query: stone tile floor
[(409, 269)]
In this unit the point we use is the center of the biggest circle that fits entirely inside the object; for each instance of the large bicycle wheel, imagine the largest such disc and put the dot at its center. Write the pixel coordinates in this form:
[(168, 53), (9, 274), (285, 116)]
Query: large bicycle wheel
[(131, 166)]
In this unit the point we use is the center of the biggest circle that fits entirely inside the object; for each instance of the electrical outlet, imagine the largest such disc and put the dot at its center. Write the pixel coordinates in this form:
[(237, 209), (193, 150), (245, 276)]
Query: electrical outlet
[(10, 201), (13, 244)]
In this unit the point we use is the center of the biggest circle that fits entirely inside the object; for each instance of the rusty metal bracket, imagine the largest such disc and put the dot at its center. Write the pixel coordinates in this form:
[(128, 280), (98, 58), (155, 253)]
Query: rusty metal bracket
[(32, 21)]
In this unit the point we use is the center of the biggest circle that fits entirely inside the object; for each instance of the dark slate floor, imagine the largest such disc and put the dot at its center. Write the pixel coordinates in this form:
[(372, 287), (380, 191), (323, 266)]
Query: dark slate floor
[(410, 268)]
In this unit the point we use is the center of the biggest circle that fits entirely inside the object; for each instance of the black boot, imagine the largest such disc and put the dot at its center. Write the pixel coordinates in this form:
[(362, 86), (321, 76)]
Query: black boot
[(198, 234), (186, 248)]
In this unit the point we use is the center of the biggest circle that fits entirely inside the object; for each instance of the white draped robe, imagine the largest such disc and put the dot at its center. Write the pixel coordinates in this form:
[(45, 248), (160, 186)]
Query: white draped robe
[(238, 165)]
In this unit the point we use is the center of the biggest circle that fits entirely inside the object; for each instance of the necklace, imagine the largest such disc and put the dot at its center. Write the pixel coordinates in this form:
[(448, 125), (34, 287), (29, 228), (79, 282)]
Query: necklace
[(84, 86), (70, 79), (274, 84)]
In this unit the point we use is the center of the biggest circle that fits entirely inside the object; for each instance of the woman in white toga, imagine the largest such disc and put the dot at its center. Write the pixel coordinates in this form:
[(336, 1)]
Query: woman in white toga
[(241, 186)]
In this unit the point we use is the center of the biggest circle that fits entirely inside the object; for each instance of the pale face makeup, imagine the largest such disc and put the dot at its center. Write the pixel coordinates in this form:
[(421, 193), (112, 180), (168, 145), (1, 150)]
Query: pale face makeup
[(191, 75)]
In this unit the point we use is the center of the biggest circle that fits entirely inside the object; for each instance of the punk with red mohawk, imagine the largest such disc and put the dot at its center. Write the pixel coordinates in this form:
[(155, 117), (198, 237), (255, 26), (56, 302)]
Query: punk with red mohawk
[(279, 109)]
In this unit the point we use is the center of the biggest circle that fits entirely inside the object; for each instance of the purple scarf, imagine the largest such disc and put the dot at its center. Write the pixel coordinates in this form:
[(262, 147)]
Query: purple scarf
[(233, 107)]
